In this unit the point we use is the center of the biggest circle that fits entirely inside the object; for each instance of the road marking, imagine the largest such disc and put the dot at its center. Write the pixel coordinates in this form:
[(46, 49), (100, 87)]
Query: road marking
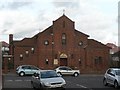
[(9, 80), (78, 85), (27, 80), (84, 86), (18, 80), (81, 86)]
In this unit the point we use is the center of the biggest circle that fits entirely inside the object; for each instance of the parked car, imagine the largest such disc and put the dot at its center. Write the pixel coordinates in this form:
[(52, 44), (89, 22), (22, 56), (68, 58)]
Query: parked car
[(26, 70), (64, 70), (47, 79), (112, 76)]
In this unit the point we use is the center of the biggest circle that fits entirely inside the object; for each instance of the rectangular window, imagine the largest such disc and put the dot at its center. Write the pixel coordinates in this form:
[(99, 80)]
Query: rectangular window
[(63, 39), (98, 60)]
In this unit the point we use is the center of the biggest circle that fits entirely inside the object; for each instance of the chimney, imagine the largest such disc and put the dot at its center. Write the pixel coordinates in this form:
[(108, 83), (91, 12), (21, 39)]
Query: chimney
[(10, 38)]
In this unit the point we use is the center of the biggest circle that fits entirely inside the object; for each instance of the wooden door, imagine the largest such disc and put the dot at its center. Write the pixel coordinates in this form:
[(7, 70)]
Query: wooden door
[(63, 61)]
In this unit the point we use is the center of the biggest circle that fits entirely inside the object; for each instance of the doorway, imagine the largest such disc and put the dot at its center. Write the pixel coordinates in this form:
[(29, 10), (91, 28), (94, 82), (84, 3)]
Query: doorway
[(63, 61)]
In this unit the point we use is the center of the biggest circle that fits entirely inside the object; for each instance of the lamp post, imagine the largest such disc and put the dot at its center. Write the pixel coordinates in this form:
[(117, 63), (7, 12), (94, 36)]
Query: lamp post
[(5, 58)]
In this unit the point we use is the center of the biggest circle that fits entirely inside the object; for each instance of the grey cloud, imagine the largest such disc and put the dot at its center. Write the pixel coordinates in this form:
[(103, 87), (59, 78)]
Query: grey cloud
[(2, 6), (14, 4), (8, 24), (3, 31), (26, 33), (66, 4), (21, 35)]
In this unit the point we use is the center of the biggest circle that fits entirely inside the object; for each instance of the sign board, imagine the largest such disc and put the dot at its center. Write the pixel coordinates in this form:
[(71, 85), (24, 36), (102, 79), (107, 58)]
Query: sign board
[(7, 56), (55, 61), (115, 58)]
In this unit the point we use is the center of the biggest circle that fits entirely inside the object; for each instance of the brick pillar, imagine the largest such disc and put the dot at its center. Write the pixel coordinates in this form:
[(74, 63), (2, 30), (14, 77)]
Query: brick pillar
[(10, 38), (5, 65), (10, 43), (11, 48)]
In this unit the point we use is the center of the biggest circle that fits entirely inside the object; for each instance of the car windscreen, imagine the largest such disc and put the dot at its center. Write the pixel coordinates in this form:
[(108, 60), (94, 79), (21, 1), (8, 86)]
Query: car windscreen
[(17, 68), (117, 72), (49, 74)]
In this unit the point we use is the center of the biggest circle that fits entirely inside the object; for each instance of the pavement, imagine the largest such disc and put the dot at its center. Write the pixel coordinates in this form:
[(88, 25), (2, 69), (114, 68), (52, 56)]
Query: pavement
[(9, 74)]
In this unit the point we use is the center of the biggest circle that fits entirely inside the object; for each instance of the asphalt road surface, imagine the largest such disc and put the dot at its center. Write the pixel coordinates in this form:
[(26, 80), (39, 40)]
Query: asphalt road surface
[(87, 82)]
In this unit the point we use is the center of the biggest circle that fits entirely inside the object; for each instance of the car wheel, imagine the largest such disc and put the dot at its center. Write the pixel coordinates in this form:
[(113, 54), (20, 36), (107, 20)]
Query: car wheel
[(75, 74), (105, 82), (59, 73), (21, 74), (116, 84)]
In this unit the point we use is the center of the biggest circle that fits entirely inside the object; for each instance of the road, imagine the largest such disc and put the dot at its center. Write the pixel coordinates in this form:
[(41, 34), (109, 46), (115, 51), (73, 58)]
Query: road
[(89, 82)]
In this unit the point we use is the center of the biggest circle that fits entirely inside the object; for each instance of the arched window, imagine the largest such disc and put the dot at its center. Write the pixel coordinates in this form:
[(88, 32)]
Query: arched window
[(63, 39)]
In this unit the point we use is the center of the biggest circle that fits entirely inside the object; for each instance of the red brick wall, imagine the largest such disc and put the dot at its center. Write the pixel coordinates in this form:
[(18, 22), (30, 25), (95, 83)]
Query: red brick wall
[(21, 48), (79, 57)]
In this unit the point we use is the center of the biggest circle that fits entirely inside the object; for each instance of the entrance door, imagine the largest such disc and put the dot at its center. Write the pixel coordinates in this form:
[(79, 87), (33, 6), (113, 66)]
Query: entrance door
[(63, 61)]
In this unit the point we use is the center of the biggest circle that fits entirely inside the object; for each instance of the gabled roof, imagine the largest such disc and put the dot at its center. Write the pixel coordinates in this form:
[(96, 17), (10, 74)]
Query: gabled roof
[(21, 40), (91, 43), (49, 28), (64, 16), (114, 48), (76, 31), (4, 44)]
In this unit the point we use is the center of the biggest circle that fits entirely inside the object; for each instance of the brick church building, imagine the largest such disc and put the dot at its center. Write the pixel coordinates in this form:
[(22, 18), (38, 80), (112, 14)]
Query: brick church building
[(61, 45)]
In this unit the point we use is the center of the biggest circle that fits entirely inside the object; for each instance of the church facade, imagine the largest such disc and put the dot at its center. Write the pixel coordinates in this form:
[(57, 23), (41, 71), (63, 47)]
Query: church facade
[(61, 45)]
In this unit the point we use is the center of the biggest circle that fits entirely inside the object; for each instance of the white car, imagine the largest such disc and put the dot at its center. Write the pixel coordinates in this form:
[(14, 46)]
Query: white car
[(47, 79), (64, 70), (26, 70), (112, 76)]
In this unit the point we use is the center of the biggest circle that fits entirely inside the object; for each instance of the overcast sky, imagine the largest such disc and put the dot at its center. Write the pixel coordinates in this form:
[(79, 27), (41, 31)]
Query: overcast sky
[(25, 18)]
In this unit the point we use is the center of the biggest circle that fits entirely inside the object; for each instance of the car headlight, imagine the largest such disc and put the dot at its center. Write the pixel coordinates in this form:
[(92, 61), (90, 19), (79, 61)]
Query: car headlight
[(47, 84), (64, 82)]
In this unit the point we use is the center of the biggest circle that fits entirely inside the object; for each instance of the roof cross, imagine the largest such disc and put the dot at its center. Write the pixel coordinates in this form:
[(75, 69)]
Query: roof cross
[(63, 11)]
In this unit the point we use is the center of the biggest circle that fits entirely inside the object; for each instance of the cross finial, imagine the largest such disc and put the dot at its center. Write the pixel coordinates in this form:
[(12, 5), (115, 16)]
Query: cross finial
[(63, 11)]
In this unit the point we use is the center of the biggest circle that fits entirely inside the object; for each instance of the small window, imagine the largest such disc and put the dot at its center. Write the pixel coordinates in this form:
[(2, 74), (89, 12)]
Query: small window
[(46, 42), (98, 60), (80, 43), (63, 39), (47, 61), (63, 36), (21, 56), (27, 53)]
